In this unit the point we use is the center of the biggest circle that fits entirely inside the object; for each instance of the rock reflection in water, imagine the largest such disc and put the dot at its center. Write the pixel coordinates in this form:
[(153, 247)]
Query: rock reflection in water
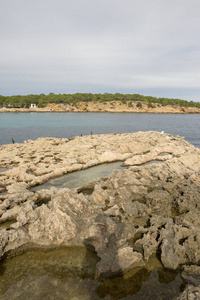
[(68, 273), (64, 273), (143, 285), (6, 225), (80, 178)]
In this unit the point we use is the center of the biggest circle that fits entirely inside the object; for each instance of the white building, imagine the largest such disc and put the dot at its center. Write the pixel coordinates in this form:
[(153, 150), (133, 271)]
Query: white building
[(33, 105)]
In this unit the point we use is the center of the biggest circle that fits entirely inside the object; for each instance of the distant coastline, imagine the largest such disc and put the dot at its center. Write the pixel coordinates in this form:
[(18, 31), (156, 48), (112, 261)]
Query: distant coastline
[(114, 107)]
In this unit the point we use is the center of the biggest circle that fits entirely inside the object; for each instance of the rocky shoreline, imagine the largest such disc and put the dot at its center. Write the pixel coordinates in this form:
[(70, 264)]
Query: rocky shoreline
[(127, 218), (113, 106)]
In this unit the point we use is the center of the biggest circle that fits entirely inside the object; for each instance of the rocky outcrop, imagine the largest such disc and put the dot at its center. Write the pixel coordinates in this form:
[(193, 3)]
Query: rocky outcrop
[(128, 217)]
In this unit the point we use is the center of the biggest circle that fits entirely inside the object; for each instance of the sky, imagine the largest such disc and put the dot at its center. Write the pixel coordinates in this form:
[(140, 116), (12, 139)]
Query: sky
[(148, 47)]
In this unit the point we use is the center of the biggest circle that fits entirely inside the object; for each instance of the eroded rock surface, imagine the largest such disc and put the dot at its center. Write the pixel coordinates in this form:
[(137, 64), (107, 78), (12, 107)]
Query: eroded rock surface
[(133, 214)]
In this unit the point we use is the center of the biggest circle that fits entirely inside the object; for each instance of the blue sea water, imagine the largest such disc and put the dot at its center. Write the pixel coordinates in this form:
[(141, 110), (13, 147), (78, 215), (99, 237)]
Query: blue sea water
[(24, 126)]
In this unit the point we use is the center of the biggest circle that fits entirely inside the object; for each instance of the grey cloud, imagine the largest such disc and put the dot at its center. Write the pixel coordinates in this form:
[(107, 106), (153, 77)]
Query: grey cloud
[(104, 45)]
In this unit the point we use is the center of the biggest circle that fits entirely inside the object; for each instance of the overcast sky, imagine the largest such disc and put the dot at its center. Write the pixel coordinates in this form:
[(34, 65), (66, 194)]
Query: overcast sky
[(150, 47)]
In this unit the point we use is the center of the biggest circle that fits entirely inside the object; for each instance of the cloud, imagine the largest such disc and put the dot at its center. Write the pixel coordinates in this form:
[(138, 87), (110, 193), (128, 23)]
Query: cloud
[(99, 45)]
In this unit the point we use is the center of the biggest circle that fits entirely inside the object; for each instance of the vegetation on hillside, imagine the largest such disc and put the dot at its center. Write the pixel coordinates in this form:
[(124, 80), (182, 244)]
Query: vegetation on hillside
[(72, 99)]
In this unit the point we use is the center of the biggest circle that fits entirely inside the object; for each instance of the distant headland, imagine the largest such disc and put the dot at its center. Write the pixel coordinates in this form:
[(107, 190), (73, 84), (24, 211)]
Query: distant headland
[(87, 102)]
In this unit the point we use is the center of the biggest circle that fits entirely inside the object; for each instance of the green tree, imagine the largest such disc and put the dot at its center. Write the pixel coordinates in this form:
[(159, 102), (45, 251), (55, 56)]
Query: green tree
[(139, 105)]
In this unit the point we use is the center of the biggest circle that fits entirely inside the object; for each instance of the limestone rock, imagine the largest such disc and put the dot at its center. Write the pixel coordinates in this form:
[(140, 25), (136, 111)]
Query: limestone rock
[(172, 252), (190, 293), (191, 274), (127, 259), (125, 218)]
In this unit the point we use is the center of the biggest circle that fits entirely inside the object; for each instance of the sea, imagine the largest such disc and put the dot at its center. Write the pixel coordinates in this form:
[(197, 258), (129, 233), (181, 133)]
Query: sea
[(18, 127)]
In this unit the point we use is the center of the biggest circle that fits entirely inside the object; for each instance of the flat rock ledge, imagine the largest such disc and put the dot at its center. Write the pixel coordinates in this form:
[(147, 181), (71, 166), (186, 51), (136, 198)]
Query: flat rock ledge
[(128, 217)]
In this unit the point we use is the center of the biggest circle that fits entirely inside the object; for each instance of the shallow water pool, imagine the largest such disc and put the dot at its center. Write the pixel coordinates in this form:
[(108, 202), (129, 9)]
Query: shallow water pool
[(82, 177), (68, 273)]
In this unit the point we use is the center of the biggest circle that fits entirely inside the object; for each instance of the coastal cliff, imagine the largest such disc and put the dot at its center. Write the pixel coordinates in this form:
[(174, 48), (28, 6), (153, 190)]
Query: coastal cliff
[(114, 106), (151, 208)]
